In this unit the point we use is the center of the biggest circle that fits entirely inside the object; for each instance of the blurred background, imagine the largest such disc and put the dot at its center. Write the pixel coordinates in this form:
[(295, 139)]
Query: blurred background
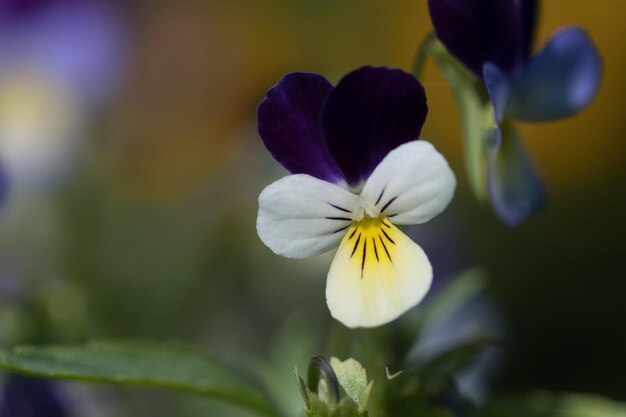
[(132, 167)]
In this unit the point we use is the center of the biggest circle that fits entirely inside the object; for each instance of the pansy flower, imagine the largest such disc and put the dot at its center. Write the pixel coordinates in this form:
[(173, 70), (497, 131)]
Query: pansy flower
[(358, 170), (493, 39)]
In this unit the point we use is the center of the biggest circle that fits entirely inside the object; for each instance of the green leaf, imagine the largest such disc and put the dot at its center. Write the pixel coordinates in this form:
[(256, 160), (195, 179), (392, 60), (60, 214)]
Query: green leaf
[(545, 404), (164, 365), (353, 379), (437, 373), (463, 287), (304, 390)]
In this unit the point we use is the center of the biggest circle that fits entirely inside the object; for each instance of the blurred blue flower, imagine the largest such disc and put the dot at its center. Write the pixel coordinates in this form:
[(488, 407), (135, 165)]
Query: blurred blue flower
[(24, 396), (77, 42), (58, 61), (493, 38)]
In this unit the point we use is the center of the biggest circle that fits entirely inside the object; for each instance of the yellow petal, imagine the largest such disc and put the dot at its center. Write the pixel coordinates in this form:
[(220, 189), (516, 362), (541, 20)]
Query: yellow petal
[(378, 274)]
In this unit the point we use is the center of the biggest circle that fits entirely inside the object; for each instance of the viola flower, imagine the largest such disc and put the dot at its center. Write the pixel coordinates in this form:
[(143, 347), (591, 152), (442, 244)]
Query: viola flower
[(493, 39), (358, 170)]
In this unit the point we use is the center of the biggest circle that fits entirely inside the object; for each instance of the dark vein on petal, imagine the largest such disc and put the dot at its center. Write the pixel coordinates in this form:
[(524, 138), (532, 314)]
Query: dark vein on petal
[(353, 232), (385, 224), (385, 247), (340, 208), (364, 255), (392, 215), (387, 236), (339, 218), (375, 249), (388, 204), (380, 196), (356, 245), (342, 229)]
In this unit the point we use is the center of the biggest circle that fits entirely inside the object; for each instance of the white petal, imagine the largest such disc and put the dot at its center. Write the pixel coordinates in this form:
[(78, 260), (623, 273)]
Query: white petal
[(378, 274), (302, 216), (412, 184)]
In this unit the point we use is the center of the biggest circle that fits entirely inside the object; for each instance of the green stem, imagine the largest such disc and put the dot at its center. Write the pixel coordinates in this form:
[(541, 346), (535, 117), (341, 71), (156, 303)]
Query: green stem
[(471, 100), (419, 62)]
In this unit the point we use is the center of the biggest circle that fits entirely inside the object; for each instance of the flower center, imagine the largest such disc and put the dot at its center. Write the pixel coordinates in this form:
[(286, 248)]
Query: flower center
[(366, 211)]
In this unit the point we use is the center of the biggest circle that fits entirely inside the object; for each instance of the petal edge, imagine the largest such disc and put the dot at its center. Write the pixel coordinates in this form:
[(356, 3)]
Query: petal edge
[(560, 81), (372, 111), (301, 216), (413, 184), (377, 280), (289, 123)]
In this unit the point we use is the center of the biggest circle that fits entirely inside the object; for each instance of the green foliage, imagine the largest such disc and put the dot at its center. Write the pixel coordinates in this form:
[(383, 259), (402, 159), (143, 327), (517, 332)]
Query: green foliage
[(139, 363), (335, 388), (466, 285), (345, 408), (353, 379), (544, 404)]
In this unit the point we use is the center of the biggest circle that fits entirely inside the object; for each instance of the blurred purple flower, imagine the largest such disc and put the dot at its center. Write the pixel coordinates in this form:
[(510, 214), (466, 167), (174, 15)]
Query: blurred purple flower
[(493, 38), (78, 42), (25, 396), (58, 60)]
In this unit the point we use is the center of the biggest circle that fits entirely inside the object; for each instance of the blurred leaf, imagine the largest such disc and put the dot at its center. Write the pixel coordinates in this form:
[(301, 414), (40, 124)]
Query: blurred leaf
[(437, 373), (545, 404), (435, 412), (291, 345), (163, 365), (466, 285), (345, 408)]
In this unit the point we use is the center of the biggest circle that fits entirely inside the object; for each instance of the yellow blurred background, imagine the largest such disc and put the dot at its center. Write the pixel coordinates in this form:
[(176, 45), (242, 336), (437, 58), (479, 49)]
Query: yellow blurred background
[(199, 69)]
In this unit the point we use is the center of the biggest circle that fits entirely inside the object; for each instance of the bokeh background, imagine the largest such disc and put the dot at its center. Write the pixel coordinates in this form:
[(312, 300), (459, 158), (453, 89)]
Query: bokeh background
[(133, 180)]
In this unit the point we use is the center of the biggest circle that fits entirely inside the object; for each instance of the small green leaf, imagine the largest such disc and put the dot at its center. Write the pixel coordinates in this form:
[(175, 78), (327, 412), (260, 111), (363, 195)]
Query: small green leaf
[(304, 390), (545, 404), (163, 365), (352, 377)]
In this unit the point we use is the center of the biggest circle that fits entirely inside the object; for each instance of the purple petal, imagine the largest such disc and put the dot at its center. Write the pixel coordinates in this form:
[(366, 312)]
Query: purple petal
[(290, 125), (477, 31), (498, 87), (515, 188), (560, 81), (371, 112), (16, 10), (529, 10)]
